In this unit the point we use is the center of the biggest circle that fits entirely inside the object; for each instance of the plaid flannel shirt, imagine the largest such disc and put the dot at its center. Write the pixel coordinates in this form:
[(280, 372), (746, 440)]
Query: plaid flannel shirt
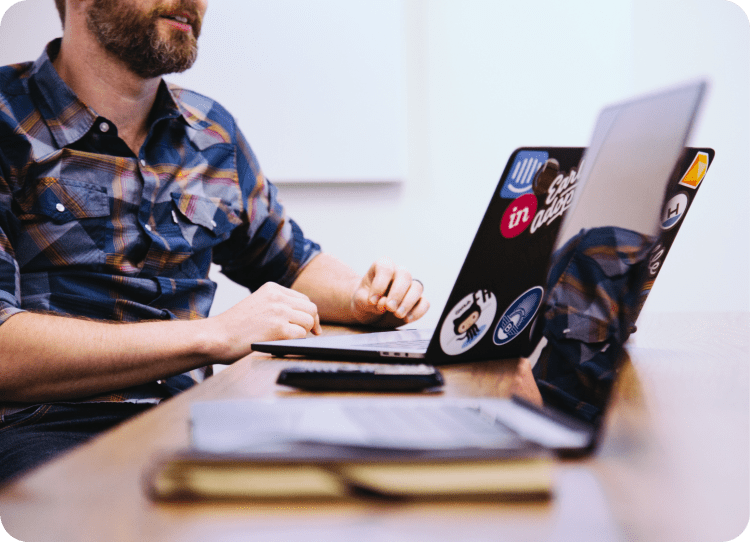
[(595, 294), (89, 229)]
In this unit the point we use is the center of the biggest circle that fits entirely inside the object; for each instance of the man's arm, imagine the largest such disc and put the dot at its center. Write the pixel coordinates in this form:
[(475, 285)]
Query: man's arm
[(386, 296), (45, 357)]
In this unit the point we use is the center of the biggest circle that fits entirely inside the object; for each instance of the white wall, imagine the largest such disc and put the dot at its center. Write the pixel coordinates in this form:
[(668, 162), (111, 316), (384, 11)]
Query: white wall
[(484, 77), (290, 71), (707, 268)]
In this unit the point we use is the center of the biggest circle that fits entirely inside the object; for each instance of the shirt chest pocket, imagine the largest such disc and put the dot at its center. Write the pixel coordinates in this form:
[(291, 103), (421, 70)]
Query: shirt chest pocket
[(66, 221), (203, 221), (64, 201)]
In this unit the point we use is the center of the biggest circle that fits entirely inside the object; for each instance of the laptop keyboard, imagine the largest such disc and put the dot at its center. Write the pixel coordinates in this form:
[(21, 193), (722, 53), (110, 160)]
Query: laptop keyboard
[(447, 423), (400, 345)]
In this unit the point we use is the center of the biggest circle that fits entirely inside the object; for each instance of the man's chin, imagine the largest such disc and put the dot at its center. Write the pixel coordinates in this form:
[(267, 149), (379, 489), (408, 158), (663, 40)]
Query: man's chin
[(174, 59)]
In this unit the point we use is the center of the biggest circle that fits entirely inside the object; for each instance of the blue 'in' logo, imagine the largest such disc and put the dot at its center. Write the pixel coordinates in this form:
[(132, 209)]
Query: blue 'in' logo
[(519, 180), (518, 315)]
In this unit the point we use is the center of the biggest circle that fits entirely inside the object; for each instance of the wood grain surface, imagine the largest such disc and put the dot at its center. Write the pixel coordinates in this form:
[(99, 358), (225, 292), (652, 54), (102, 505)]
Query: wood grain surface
[(672, 465)]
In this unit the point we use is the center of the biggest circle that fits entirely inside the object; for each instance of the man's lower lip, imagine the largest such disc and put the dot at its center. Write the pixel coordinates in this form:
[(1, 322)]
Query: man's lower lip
[(185, 27)]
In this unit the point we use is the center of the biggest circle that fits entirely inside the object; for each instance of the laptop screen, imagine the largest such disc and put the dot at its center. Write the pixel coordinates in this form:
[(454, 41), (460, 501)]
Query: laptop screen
[(633, 151), (632, 193)]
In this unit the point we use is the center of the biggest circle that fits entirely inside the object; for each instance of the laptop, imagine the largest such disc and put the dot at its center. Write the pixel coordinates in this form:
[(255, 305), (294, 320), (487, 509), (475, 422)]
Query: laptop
[(635, 174)]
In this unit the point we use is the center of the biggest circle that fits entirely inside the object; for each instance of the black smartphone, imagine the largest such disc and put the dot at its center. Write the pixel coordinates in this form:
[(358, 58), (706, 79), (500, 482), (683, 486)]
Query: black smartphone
[(393, 378)]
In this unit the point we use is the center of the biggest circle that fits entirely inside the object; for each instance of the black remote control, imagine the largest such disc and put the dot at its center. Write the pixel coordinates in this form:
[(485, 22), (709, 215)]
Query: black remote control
[(366, 377)]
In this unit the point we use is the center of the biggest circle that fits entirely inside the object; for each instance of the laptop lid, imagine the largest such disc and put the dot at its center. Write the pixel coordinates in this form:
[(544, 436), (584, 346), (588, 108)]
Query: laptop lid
[(621, 181), (500, 262), (494, 305)]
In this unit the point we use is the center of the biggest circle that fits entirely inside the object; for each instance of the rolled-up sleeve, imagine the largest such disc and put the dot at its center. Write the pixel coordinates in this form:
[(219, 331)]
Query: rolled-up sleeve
[(269, 246)]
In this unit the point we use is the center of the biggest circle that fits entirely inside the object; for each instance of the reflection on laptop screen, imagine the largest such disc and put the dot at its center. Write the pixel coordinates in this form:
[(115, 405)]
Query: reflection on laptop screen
[(609, 245)]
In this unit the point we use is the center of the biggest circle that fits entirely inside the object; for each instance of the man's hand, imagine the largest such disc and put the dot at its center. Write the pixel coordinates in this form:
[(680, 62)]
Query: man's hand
[(388, 295), (270, 313)]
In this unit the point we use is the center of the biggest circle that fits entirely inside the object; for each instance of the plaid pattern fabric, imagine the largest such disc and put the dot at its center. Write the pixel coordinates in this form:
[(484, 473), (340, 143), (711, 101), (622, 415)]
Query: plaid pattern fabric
[(89, 229), (595, 286)]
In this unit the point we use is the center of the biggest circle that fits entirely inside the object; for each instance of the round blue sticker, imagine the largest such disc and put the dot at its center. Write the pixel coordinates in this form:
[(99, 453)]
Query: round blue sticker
[(519, 315), (674, 210)]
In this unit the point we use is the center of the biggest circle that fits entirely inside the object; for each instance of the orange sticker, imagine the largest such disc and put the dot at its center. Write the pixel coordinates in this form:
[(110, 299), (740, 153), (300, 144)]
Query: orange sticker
[(697, 170)]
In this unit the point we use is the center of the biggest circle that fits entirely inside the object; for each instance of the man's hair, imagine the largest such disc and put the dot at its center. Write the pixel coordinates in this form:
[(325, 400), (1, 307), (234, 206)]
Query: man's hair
[(60, 5)]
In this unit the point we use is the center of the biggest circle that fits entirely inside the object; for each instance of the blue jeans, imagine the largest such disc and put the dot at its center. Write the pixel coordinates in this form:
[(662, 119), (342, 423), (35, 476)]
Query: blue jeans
[(39, 433)]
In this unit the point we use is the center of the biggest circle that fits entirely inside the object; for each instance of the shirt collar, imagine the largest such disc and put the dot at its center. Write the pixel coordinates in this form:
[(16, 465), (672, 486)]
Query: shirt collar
[(193, 116), (69, 119)]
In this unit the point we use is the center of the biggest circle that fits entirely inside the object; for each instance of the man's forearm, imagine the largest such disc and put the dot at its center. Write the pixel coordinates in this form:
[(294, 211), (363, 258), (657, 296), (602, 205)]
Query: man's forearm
[(329, 283), (49, 357), (46, 357)]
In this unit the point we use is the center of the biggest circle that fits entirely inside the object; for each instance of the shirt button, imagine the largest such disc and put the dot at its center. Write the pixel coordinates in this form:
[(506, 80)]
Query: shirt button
[(143, 162), (213, 223), (60, 207), (148, 228), (104, 127)]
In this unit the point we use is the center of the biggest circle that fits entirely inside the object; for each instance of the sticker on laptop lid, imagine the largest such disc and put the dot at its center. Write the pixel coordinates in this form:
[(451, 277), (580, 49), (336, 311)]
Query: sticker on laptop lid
[(558, 198), (646, 288), (674, 210), (521, 176), (518, 215), (697, 170), (655, 259), (467, 322), (518, 315)]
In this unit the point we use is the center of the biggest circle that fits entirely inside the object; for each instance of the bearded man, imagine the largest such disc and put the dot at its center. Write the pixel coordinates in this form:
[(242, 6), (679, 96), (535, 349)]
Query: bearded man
[(117, 191)]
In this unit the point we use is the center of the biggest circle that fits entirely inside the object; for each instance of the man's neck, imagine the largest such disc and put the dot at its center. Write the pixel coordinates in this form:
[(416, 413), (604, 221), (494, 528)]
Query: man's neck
[(106, 85)]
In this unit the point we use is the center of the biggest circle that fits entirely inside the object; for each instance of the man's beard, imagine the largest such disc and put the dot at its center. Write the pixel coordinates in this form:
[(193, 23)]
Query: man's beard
[(133, 36)]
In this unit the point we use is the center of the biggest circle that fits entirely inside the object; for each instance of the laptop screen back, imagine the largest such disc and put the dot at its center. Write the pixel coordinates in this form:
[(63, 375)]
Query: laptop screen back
[(633, 151)]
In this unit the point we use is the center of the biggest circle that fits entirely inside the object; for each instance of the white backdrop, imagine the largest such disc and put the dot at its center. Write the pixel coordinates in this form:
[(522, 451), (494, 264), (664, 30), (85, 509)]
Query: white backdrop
[(480, 78), (317, 86)]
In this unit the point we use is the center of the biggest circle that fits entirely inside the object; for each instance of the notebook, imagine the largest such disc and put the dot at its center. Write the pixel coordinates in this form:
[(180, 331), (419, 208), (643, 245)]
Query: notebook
[(635, 174), (326, 449)]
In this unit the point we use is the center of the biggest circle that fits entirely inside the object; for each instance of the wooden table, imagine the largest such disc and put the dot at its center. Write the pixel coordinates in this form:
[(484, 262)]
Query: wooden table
[(673, 464)]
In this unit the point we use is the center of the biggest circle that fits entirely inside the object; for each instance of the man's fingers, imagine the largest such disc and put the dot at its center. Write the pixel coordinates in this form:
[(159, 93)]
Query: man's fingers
[(317, 330), (381, 275), (418, 311), (400, 284), (389, 285), (410, 299), (303, 319), (302, 305), (300, 311), (304, 313), (293, 331)]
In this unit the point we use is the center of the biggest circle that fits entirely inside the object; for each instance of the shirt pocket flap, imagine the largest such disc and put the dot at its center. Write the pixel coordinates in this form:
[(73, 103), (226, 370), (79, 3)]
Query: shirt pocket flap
[(212, 214), (64, 200)]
